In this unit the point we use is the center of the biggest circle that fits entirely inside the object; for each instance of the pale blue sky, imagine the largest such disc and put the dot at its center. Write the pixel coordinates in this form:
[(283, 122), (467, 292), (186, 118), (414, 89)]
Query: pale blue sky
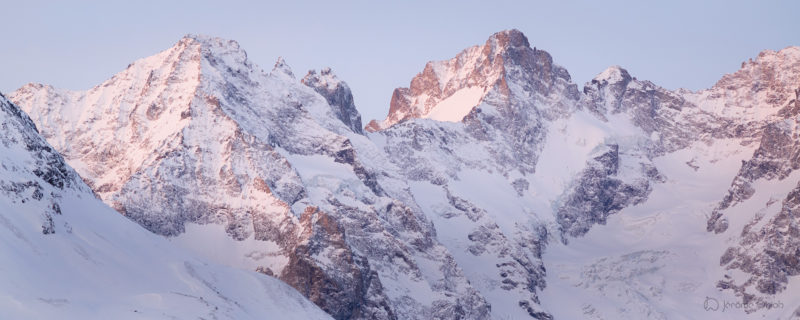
[(376, 46)]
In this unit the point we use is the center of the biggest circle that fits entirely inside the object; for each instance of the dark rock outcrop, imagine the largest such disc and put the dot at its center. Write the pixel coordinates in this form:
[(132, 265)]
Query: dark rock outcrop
[(338, 95)]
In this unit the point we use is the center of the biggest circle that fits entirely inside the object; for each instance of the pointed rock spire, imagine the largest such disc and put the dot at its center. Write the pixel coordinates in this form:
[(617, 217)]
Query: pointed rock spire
[(282, 68)]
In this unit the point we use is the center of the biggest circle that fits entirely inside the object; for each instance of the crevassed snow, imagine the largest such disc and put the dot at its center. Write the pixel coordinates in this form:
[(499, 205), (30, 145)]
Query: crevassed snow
[(656, 260), (455, 107)]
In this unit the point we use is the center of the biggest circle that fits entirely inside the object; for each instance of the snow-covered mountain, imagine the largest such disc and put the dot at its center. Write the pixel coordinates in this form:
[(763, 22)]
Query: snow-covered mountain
[(67, 255), (495, 187), (619, 141), (259, 171), (533, 161)]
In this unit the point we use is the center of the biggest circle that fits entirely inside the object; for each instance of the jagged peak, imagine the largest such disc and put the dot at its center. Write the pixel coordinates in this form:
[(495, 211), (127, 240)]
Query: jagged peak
[(216, 50), (790, 52), (210, 41), (511, 38), (463, 81), (220, 53), (784, 65), (34, 85), (788, 56), (324, 78), (337, 94), (281, 68), (613, 74)]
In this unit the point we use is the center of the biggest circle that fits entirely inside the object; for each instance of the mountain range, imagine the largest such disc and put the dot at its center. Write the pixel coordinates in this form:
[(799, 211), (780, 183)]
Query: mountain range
[(495, 188)]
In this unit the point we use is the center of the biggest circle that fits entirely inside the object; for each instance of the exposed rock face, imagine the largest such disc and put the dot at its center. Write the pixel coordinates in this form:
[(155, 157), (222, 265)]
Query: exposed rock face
[(599, 193), (767, 249), (338, 95), (752, 104), (777, 156), (772, 160), (167, 144), (32, 171), (767, 253), (47, 164), (346, 290)]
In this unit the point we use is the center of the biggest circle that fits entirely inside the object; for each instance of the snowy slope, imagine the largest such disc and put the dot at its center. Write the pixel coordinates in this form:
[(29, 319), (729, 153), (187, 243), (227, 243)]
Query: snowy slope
[(67, 255), (455, 107)]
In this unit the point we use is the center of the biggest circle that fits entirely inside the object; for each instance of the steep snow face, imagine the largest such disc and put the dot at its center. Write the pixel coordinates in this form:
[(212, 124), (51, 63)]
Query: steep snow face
[(456, 106), (67, 255), (196, 141)]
